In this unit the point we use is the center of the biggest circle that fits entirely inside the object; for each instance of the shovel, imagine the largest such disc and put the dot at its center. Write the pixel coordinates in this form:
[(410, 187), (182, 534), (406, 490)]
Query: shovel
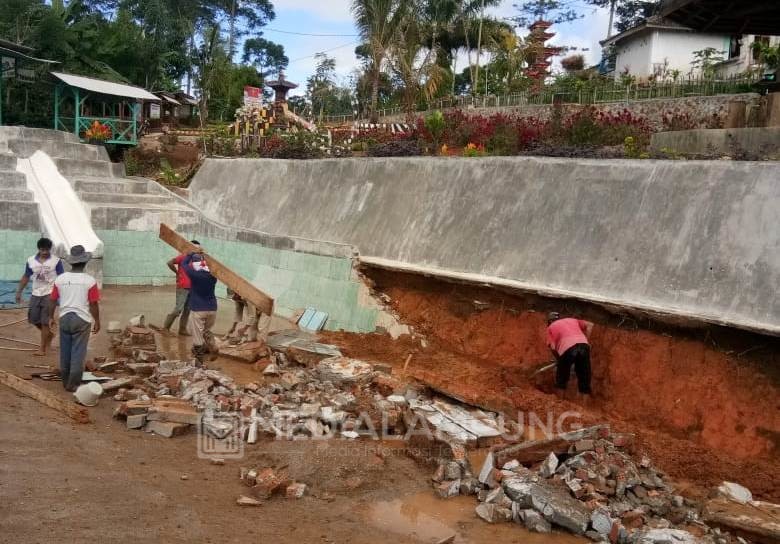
[(545, 368)]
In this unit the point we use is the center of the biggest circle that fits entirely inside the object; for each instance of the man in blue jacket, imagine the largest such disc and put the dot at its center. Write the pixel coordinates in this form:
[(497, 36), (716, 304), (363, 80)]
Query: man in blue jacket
[(203, 304)]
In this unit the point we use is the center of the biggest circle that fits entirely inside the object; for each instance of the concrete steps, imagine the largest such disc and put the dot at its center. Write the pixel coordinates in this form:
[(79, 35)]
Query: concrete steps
[(17, 204), (21, 195), (125, 198), (57, 149), (13, 180), (110, 185), (113, 201), (7, 163), (18, 215), (105, 216), (74, 168), (25, 133)]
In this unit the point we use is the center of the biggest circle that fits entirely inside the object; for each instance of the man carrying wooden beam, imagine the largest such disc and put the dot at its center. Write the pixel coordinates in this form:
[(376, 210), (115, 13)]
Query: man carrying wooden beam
[(203, 304)]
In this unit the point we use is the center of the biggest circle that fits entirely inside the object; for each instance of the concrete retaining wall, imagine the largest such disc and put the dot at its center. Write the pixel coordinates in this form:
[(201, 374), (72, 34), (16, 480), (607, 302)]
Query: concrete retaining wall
[(764, 142), (704, 111), (693, 239)]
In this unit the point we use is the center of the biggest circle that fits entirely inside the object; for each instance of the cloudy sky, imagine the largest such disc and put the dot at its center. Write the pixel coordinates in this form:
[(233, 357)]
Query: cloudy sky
[(332, 17)]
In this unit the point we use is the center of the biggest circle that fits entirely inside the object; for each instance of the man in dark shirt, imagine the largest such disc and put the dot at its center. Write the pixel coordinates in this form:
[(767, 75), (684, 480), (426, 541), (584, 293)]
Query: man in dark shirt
[(203, 304), (182, 307)]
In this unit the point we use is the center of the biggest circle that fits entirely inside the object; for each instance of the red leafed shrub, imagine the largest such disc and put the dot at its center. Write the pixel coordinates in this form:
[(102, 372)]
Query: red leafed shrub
[(503, 134), (270, 147), (603, 128)]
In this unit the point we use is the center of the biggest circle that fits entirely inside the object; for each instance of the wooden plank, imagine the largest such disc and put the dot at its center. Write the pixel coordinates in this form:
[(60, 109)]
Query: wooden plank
[(245, 290), (70, 409)]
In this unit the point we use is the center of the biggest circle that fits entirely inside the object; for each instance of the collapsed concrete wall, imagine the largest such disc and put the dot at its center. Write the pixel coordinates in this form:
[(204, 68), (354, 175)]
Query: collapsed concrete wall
[(691, 239)]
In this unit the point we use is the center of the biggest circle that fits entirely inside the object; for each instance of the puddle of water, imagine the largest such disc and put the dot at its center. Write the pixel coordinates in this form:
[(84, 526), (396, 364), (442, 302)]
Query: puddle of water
[(426, 518)]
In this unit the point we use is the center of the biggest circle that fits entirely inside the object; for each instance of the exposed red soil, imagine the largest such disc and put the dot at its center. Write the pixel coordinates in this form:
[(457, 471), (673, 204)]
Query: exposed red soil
[(704, 414)]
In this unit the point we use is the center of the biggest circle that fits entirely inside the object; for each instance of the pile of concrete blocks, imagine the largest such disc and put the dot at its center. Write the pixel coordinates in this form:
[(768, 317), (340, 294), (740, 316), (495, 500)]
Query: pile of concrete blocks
[(133, 338), (587, 483), (166, 417), (322, 396), (266, 483)]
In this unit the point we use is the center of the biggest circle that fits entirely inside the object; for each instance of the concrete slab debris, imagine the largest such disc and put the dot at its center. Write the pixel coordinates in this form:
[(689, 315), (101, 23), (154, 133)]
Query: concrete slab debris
[(166, 429), (534, 521), (247, 352), (448, 489), (560, 509), (493, 513), (342, 370), (665, 536), (113, 385), (549, 466), (243, 500), (757, 520), (295, 491), (735, 492), (136, 421)]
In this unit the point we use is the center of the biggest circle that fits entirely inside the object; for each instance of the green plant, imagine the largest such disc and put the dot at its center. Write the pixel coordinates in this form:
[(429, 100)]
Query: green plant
[(632, 150), (434, 124), (769, 55), (706, 60), (132, 164), (168, 173), (671, 154)]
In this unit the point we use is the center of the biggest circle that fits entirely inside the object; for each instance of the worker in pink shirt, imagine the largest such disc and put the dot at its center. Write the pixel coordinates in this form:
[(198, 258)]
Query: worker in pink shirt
[(568, 339)]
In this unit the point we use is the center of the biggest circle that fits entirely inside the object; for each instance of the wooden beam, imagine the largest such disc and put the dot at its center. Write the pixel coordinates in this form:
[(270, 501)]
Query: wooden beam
[(245, 290), (70, 409)]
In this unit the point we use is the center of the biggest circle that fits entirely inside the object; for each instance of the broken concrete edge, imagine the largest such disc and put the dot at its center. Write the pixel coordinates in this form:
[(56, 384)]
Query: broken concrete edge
[(673, 316)]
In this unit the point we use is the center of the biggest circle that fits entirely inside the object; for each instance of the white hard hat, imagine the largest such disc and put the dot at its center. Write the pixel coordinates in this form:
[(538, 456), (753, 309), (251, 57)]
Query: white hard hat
[(88, 394)]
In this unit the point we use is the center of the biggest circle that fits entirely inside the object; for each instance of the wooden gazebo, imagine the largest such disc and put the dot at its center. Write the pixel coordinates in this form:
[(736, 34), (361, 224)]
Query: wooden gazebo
[(79, 101)]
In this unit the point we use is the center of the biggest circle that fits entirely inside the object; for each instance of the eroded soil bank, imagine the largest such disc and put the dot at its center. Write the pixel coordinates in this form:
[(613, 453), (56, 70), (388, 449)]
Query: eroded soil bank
[(704, 402)]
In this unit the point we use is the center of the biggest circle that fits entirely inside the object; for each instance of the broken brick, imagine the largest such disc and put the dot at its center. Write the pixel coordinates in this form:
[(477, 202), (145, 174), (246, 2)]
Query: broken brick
[(295, 491)]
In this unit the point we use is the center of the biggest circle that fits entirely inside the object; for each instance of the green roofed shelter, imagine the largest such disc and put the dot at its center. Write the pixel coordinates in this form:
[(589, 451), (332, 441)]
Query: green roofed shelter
[(81, 101)]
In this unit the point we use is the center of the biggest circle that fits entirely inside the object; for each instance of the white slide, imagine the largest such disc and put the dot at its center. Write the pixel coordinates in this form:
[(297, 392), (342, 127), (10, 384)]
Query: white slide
[(311, 127), (63, 216)]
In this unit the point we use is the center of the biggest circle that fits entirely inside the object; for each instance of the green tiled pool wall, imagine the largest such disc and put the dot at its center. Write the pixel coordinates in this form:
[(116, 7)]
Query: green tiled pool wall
[(296, 280), (15, 248)]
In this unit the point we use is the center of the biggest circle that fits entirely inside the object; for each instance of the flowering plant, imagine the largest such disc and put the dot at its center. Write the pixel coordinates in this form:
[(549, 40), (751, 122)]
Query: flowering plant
[(473, 150), (98, 132)]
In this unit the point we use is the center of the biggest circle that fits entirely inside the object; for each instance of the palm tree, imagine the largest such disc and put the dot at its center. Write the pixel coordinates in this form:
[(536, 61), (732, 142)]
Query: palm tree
[(414, 63), (458, 24), (377, 22)]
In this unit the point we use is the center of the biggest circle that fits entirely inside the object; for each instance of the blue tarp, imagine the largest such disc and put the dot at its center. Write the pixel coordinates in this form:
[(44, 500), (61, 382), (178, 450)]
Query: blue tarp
[(8, 293)]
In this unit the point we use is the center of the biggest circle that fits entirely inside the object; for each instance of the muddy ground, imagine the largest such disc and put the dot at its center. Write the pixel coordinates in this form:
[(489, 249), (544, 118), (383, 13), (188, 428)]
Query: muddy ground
[(98, 482)]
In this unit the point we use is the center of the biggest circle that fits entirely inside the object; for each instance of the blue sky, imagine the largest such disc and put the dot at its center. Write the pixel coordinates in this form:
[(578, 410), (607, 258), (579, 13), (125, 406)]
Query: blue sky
[(333, 17)]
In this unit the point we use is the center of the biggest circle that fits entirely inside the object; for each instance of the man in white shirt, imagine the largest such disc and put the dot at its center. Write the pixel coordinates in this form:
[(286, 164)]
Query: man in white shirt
[(43, 268), (78, 296)]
